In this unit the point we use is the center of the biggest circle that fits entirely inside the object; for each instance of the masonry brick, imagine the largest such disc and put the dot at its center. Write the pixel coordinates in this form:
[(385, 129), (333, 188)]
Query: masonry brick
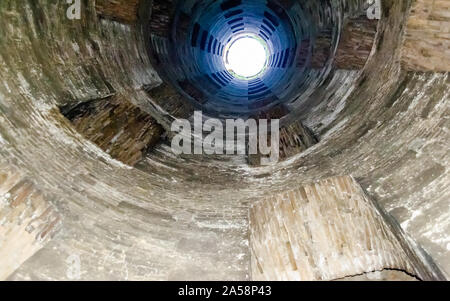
[(325, 231), (356, 43), (427, 37), (124, 11), (117, 126)]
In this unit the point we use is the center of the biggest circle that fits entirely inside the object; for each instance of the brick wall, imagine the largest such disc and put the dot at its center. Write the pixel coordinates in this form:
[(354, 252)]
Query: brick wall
[(124, 11), (27, 220), (294, 138), (427, 39), (325, 231), (118, 127), (356, 43)]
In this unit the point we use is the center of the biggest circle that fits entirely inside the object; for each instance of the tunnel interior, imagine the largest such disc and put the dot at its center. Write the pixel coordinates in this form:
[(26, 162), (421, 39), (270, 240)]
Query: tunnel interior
[(88, 177), (193, 57)]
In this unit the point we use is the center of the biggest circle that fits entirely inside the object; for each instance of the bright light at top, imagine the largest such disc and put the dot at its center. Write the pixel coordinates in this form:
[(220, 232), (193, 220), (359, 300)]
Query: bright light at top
[(246, 57)]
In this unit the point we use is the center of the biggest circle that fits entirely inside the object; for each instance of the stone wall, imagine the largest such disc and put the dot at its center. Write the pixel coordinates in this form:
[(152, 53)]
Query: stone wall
[(161, 19), (327, 231), (27, 220), (170, 101), (427, 39), (322, 50), (187, 219), (118, 127), (294, 138), (124, 11), (354, 48), (124, 224), (356, 43)]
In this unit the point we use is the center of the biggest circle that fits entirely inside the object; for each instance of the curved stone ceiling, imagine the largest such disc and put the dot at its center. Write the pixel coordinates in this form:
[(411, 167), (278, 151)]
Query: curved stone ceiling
[(87, 174)]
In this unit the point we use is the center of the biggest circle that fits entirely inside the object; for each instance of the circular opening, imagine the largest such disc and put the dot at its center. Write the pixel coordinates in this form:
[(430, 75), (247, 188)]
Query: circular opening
[(246, 56)]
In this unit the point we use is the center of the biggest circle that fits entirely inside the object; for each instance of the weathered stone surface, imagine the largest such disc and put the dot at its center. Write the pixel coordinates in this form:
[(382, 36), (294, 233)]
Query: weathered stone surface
[(326, 231), (27, 220), (356, 43), (117, 126), (170, 101), (294, 137), (354, 48), (427, 38), (121, 222), (187, 218), (385, 275), (322, 50), (162, 16), (124, 11)]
